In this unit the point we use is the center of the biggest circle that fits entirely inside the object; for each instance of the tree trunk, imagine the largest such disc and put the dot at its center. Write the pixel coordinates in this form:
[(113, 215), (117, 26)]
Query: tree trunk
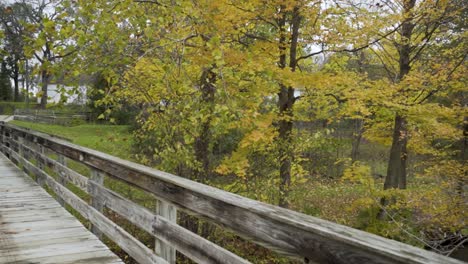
[(357, 136), (396, 170), (285, 126), (285, 104), (16, 82), (202, 142), (464, 152), (461, 181), (45, 78), (26, 80), (202, 148)]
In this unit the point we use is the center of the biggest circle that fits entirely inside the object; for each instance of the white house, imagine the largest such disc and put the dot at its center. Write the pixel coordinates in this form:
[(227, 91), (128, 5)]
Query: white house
[(54, 92)]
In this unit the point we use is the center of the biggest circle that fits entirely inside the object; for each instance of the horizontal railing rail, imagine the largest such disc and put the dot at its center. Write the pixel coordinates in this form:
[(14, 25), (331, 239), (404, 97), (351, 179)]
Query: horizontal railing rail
[(287, 232)]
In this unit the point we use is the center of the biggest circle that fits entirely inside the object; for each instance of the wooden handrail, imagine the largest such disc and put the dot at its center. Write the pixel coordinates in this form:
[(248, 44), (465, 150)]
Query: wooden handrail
[(190, 244), (287, 232)]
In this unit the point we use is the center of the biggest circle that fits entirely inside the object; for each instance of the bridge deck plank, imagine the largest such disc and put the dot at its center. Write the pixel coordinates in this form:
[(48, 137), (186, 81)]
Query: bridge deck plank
[(34, 228)]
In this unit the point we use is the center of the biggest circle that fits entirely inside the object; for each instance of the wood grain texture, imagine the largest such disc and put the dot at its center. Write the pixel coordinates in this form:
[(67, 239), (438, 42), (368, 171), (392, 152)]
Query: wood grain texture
[(97, 178), (61, 174), (34, 228), (161, 248), (66, 173), (290, 233), (191, 245), (129, 244)]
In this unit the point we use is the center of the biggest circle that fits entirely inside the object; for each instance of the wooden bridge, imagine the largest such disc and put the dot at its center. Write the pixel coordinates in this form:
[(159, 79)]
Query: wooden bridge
[(34, 229)]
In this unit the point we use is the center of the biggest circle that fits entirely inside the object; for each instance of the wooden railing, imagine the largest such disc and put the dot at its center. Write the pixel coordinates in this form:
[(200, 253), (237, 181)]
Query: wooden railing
[(290, 233)]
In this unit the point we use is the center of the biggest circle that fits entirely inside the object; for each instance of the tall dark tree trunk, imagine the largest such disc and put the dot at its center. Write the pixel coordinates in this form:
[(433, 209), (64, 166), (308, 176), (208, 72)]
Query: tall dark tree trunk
[(464, 152), (5, 83), (285, 126), (45, 78), (27, 82), (462, 179), (357, 137), (396, 169), (202, 142), (45, 75), (16, 82), (285, 103), (202, 148), (358, 123)]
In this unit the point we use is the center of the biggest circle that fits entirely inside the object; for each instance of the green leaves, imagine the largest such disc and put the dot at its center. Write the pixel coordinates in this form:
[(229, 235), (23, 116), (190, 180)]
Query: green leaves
[(213, 90)]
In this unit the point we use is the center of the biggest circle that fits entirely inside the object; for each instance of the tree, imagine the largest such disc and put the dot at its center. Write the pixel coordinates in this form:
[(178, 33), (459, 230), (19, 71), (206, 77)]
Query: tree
[(299, 31), (416, 46), (5, 84), (48, 28), (221, 86), (12, 20)]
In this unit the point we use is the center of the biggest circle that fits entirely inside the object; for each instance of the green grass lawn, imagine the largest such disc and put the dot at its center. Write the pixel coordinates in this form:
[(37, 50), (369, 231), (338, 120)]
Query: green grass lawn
[(111, 139)]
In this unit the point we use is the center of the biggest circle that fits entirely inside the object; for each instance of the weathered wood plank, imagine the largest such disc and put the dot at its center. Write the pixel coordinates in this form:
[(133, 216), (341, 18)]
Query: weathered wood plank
[(21, 246), (23, 195), (25, 206), (68, 175), (96, 200), (23, 202), (186, 242), (92, 257), (32, 213), (169, 212), (47, 218), (44, 234), (35, 229), (129, 244), (61, 175), (50, 251)]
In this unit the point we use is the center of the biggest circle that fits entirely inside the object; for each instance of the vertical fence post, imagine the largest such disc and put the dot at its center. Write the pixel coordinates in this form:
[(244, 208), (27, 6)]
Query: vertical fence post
[(61, 179), (4, 139), (22, 154), (41, 166), (23, 144), (6, 142), (169, 212), (2, 129), (14, 147), (97, 177), (20, 147)]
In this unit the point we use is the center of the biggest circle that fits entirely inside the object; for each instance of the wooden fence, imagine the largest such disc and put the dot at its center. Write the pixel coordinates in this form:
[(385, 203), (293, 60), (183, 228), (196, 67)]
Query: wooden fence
[(289, 233), (51, 116)]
